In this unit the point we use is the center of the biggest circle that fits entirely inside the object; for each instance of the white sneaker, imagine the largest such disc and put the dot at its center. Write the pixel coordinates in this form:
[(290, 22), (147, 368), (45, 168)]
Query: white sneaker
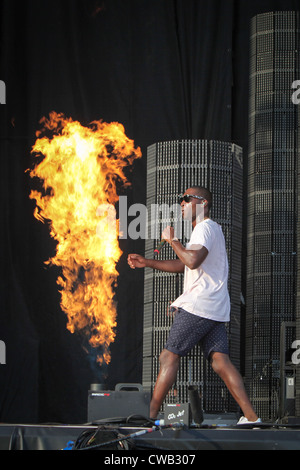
[(244, 420)]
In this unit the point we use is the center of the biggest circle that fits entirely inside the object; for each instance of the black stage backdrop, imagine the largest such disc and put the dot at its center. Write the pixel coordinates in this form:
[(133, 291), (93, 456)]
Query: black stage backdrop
[(165, 69)]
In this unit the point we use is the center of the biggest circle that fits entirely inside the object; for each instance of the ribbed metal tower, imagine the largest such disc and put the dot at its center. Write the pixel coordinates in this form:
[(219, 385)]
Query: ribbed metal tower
[(272, 203), (172, 167)]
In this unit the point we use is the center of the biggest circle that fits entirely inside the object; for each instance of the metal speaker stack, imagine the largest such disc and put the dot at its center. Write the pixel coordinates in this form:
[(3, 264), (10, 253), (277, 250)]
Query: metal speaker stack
[(297, 391), (272, 201), (172, 167)]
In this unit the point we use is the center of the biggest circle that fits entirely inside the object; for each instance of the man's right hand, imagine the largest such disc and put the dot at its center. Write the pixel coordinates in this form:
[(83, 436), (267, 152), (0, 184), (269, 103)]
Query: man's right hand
[(170, 266), (136, 261)]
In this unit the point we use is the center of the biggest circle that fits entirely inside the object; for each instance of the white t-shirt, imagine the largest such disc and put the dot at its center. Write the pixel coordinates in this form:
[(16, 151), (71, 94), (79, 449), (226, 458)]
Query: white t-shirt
[(205, 290)]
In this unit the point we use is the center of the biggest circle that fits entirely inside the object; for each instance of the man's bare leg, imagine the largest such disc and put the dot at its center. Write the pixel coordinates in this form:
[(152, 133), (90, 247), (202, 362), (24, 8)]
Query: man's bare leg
[(169, 363), (223, 366)]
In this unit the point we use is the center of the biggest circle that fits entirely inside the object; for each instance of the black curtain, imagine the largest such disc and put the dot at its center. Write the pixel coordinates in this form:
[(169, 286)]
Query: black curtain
[(165, 69)]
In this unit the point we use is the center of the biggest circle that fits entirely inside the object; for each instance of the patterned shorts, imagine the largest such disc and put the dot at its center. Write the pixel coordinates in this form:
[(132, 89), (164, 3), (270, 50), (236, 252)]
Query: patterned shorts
[(188, 330)]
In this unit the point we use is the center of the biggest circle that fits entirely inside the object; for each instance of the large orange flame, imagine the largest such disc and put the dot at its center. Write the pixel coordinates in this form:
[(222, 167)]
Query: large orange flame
[(79, 172)]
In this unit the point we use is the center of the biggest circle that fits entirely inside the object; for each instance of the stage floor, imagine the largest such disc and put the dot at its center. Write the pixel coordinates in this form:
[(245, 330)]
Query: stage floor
[(57, 437)]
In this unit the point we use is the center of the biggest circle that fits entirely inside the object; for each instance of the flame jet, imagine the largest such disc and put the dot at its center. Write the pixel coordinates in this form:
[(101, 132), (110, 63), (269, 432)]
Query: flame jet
[(80, 172)]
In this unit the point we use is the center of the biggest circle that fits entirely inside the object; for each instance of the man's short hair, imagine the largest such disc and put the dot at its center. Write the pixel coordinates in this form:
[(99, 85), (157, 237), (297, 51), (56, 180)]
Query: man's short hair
[(204, 192)]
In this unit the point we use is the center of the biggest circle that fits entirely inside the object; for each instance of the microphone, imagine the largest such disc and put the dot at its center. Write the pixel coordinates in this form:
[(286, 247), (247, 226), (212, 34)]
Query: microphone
[(159, 247)]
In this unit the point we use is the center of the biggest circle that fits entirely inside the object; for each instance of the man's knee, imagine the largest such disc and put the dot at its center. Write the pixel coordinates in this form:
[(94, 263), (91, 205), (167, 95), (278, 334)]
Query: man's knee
[(168, 357), (220, 362)]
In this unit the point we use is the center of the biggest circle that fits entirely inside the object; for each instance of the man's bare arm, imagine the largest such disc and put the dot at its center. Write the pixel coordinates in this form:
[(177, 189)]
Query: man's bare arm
[(171, 266), (192, 257)]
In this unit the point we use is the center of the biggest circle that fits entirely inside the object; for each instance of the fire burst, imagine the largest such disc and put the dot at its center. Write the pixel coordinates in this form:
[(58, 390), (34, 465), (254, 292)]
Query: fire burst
[(79, 172)]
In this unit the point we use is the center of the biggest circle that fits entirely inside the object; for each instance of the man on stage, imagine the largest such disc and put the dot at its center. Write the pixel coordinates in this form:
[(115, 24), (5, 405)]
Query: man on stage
[(201, 311)]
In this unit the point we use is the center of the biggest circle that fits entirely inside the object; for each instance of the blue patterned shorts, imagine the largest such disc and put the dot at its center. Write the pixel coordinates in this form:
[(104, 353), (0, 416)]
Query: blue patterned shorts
[(188, 330)]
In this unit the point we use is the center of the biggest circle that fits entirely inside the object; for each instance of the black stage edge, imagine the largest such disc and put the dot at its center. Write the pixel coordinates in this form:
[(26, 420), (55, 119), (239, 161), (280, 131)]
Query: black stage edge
[(57, 437)]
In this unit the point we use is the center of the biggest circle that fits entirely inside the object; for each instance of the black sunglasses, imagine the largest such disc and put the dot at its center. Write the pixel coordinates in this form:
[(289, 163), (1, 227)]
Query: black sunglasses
[(187, 198)]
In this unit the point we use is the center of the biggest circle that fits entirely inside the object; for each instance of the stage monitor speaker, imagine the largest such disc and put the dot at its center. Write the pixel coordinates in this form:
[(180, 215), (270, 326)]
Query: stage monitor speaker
[(126, 400), (178, 413)]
